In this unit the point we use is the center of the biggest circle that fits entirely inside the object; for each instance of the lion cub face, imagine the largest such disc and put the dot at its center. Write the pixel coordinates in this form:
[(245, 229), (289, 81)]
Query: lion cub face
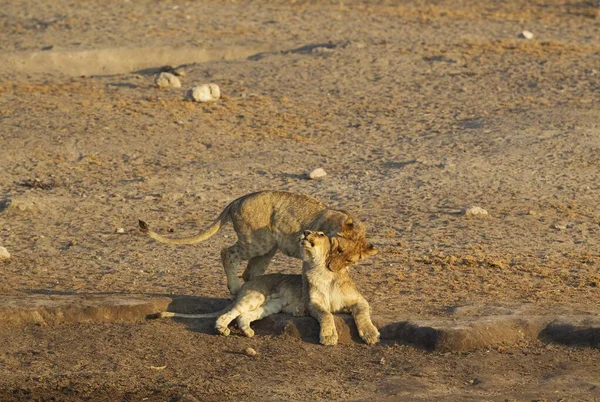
[(336, 253), (315, 246)]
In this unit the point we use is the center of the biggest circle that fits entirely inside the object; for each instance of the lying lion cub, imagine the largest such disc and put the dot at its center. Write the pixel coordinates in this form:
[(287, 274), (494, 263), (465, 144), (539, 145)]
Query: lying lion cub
[(270, 294), (268, 221), (258, 298)]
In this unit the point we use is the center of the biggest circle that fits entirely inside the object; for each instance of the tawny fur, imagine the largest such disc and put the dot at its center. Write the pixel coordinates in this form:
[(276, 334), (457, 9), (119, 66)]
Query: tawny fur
[(332, 291), (326, 291), (268, 221), (258, 298)]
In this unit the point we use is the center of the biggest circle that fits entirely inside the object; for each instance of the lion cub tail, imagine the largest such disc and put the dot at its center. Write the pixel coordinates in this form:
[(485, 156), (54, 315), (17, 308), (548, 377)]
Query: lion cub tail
[(168, 314), (212, 229)]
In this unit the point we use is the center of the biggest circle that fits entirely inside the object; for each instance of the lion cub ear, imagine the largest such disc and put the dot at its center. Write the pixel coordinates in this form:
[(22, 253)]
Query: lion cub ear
[(335, 244), (349, 223), (334, 262), (369, 250)]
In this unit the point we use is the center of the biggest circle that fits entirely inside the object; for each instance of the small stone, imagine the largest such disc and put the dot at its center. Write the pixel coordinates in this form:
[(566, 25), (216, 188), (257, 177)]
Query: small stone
[(167, 80), (382, 361), (120, 230), (526, 35), (204, 93), (532, 213), (179, 71), (559, 226), (250, 352), (4, 254), (474, 211), (317, 174)]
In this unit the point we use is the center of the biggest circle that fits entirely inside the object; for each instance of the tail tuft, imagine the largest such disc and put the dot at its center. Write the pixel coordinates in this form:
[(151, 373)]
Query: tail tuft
[(154, 316), (143, 226)]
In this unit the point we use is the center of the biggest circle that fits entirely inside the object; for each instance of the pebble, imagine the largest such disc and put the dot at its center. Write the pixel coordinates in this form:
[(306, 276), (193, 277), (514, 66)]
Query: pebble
[(204, 93), (4, 254), (250, 352), (120, 230), (559, 226), (179, 71), (317, 174), (167, 80), (526, 35), (473, 211)]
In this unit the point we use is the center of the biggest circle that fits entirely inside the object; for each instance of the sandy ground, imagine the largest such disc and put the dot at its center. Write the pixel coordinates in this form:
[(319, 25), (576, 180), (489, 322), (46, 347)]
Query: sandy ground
[(415, 109)]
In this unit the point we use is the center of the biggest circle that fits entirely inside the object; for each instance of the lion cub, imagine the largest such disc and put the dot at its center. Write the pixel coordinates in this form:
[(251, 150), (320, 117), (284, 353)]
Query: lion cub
[(331, 291), (258, 298), (327, 292), (268, 221)]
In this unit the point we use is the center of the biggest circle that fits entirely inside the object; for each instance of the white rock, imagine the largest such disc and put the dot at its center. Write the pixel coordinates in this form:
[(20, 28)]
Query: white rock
[(317, 174), (250, 352), (120, 230), (204, 93), (4, 254), (167, 80), (473, 211), (526, 35)]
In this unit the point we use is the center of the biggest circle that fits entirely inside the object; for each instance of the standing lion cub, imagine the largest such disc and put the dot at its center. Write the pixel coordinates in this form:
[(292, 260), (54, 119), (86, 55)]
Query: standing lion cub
[(327, 292), (268, 221)]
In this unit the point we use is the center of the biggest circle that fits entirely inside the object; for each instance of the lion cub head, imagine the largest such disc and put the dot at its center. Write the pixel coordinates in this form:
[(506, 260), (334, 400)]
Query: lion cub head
[(315, 247), (336, 253), (345, 252), (351, 245)]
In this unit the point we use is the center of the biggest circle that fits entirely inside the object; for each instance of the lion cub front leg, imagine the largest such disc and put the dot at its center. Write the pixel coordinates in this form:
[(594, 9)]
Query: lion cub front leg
[(362, 317), (328, 334), (302, 309)]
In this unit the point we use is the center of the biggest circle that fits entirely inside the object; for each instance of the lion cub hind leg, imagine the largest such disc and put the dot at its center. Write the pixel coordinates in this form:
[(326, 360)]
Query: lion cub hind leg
[(272, 306), (258, 265), (230, 257), (247, 302)]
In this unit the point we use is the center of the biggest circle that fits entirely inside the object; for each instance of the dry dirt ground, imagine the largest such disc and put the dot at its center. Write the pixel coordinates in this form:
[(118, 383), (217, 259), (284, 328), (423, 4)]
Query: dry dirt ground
[(415, 109)]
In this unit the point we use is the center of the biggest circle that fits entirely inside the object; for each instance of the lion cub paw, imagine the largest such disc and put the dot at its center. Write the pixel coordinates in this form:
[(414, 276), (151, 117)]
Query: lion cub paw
[(370, 335), (249, 332), (328, 337), (234, 289), (223, 330)]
